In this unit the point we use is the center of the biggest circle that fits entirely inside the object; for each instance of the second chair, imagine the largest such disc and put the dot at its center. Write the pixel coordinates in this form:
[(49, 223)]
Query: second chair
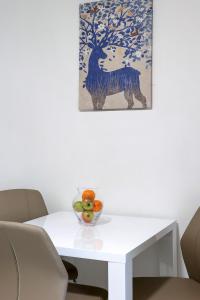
[(160, 288)]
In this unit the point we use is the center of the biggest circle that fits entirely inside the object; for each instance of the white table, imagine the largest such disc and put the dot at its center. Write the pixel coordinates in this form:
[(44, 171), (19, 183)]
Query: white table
[(115, 239)]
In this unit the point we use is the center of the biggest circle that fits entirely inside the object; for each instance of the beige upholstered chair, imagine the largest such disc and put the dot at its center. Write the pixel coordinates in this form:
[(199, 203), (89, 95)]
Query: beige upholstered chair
[(176, 288), (21, 205), (31, 269)]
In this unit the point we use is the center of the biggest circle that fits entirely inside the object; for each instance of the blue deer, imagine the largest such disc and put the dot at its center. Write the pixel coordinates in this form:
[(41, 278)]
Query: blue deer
[(101, 84)]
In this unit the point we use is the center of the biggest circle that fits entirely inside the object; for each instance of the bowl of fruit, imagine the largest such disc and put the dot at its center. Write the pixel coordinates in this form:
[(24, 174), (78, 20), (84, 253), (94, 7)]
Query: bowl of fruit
[(87, 206)]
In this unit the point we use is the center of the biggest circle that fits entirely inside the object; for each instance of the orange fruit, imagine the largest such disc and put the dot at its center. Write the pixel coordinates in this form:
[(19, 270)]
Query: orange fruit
[(98, 205), (88, 195)]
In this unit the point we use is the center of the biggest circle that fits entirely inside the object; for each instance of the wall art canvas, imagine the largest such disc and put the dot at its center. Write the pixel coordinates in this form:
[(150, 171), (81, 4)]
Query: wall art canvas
[(115, 56)]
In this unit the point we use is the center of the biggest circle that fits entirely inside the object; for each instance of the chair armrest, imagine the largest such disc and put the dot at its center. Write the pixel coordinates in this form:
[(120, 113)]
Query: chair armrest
[(71, 270), (85, 292)]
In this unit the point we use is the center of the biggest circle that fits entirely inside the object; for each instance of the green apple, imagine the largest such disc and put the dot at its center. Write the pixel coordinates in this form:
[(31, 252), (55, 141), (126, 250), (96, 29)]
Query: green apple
[(78, 206), (88, 216), (88, 205)]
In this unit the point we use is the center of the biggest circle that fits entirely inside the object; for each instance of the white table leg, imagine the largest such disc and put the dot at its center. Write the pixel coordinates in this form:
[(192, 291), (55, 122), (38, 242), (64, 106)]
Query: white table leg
[(174, 249), (167, 253), (120, 281)]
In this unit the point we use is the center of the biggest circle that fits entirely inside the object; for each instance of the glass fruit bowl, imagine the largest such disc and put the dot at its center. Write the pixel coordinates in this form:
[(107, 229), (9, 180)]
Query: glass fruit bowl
[(87, 206)]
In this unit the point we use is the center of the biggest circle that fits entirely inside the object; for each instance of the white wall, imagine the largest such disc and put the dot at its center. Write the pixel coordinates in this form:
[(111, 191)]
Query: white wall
[(146, 162)]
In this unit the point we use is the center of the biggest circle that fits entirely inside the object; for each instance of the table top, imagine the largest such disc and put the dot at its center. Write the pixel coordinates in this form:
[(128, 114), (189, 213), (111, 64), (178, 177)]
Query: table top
[(112, 239)]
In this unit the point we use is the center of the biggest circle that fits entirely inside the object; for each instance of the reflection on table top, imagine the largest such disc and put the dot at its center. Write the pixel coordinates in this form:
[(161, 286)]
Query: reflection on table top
[(112, 239)]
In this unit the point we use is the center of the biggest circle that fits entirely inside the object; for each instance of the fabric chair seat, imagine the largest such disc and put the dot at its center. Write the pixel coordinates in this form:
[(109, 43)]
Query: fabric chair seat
[(84, 292), (166, 289)]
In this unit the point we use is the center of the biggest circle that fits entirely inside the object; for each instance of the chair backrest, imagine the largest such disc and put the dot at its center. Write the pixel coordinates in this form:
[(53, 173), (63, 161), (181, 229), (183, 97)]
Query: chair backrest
[(190, 244), (30, 267), (21, 205)]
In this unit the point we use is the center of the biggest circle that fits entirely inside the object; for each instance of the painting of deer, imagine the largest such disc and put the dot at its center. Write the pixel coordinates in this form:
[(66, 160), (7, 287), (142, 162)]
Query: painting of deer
[(106, 26), (101, 84)]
